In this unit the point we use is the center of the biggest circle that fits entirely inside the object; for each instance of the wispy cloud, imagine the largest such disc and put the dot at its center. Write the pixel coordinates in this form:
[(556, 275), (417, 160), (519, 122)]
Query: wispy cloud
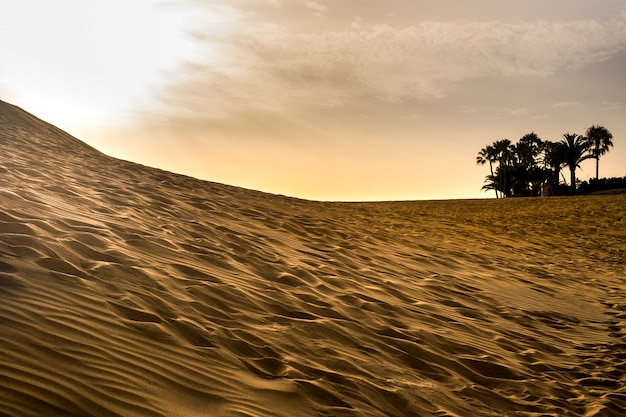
[(521, 111), (272, 67), (319, 8), (566, 104), (613, 105)]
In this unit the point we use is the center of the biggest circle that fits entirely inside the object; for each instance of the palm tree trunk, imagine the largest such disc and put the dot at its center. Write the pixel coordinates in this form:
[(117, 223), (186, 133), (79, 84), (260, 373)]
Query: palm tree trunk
[(491, 168), (503, 178), (597, 164), (573, 177)]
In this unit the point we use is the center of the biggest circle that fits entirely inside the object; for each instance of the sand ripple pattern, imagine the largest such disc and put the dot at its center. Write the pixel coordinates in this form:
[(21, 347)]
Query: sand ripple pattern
[(130, 291)]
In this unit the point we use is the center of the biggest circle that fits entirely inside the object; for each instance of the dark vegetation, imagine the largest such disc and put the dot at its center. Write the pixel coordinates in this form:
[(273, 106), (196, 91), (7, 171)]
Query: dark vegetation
[(602, 185), (533, 166)]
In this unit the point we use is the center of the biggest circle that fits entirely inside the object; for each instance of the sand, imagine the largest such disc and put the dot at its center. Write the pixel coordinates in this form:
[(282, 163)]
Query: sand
[(130, 291)]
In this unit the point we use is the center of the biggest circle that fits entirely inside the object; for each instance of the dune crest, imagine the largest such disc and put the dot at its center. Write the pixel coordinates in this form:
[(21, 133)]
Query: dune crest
[(130, 291)]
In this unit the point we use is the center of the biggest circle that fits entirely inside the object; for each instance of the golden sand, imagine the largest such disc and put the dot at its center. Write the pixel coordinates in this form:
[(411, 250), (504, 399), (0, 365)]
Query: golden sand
[(130, 291)]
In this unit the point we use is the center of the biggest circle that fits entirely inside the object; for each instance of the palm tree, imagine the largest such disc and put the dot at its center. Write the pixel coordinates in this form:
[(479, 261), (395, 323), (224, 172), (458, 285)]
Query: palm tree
[(504, 154), (488, 154), (553, 160), (491, 183), (574, 150), (599, 139), (501, 152), (502, 175), (526, 175), (528, 149)]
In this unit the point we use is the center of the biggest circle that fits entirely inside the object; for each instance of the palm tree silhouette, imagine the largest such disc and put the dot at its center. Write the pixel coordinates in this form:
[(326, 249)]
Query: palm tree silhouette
[(523, 168), (528, 149), (504, 154), (501, 152), (554, 159), (488, 154), (491, 183), (574, 149), (599, 139)]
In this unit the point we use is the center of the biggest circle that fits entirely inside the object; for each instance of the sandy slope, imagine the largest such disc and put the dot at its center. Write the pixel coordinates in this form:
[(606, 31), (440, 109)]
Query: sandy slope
[(129, 291)]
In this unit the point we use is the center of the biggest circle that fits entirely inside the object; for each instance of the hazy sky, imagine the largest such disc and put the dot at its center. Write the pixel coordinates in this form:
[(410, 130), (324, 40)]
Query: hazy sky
[(331, 100)]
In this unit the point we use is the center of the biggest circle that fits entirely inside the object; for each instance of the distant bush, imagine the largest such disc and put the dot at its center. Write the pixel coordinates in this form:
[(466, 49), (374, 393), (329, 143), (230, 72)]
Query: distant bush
[(602, 184)]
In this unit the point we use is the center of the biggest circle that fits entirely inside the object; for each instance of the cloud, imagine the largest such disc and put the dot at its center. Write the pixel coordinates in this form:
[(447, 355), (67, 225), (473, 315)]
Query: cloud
[(268, 66), (612, 105), (521, 111), (319, 8), (566, 104)]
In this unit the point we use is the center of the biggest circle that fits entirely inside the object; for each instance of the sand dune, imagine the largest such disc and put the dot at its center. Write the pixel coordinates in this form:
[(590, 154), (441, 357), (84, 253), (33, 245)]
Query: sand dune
[(130, 291)]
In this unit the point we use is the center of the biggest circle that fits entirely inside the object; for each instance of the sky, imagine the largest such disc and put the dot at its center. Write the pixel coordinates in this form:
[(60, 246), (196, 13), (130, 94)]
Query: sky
[(325, 100)]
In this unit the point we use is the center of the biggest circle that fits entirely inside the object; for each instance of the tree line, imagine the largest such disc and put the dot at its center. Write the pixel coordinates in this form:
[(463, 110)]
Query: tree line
[(533, 166)]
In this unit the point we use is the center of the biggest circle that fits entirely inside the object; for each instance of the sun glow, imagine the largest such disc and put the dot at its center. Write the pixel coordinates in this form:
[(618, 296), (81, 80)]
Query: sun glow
[(90, 64)]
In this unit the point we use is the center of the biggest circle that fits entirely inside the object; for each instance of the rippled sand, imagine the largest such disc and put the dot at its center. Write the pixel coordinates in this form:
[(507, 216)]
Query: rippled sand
[(130, 291)]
